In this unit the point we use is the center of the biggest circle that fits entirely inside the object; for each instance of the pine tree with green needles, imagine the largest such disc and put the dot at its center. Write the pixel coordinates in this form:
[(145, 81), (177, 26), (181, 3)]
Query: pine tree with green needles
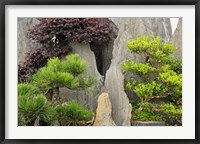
[(70, 73)]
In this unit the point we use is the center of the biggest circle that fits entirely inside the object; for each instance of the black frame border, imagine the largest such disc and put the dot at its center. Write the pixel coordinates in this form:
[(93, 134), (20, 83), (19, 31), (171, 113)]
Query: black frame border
[(3, 4)]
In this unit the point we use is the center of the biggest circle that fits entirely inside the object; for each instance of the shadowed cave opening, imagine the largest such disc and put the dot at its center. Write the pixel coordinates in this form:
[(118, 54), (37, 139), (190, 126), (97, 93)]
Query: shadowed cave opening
[(103, 55)]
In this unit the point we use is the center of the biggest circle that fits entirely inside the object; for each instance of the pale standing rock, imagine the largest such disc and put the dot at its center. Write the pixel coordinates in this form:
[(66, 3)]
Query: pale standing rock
[(103, 112)]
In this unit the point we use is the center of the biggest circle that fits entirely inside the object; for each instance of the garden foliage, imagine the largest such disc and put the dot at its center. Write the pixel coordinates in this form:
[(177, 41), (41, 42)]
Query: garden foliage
[(160, 77), (34, 109)]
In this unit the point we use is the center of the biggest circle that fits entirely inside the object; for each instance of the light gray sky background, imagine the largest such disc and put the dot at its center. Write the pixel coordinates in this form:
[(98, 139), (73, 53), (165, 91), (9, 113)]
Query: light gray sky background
[(174, 22)]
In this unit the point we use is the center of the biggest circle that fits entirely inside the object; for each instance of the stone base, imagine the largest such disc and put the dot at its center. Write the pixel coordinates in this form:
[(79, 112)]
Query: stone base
[(147, 123)]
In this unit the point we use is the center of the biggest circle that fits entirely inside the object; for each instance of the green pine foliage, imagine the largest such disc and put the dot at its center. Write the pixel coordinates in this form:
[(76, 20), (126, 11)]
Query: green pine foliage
[(74, 65), (159, 77), (72, 113), (32, 105), (28, 89), (70, 73)]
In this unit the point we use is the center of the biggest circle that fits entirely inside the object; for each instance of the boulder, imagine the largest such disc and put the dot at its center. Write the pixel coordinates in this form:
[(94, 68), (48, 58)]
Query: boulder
[(103, 112)]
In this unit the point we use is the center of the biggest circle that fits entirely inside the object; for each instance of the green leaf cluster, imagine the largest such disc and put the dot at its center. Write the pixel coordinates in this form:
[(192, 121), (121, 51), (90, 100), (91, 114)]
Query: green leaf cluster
[(146, 112), (154, 48), (175, 64), (172, 111), (142, 69)]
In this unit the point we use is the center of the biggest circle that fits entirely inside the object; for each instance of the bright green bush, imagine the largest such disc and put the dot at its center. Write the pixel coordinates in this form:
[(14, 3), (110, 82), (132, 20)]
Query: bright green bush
[(159, 77), (71, 113), (175, 65), (146, 112), (172, 113)]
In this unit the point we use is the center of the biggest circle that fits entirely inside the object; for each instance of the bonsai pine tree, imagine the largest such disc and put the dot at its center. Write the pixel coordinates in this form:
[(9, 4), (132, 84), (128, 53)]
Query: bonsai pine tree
[(156, 78), (70, 73)]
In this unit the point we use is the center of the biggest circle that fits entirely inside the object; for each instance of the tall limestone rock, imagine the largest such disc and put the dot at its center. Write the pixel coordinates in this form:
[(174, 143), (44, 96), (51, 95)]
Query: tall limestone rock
[(129, 29), (23, 43), (177, 39)]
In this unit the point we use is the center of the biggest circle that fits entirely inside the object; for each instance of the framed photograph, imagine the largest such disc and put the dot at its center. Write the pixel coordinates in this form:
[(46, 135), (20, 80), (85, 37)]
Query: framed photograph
[(99, 71)]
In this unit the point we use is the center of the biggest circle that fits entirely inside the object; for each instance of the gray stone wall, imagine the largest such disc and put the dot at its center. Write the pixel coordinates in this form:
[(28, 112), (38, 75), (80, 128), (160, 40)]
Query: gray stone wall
[(177, 39), (23, 43)]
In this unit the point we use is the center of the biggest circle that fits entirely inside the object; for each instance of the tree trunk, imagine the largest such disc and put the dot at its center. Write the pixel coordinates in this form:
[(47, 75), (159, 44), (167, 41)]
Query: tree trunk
[(55, 97), (49, 95)]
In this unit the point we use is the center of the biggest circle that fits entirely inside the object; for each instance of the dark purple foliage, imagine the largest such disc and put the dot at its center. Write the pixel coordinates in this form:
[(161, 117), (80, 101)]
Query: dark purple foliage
[(37, 58), (66, 30)]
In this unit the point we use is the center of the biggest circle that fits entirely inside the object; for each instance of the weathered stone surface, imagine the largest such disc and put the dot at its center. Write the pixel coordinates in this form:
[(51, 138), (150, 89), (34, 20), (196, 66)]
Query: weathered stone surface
[(129, 29), (177, 39), (103, 112), (23, 43), (115, 86), (148, 123)]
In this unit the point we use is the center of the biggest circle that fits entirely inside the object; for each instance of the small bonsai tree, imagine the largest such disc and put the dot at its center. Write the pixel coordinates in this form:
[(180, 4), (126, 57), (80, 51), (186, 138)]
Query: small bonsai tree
[(70, 73), (157, 78)]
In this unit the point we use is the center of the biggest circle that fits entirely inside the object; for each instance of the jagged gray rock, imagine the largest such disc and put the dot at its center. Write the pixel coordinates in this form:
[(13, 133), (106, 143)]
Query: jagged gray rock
[(23, 43), (177, 39), (115, 87)]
